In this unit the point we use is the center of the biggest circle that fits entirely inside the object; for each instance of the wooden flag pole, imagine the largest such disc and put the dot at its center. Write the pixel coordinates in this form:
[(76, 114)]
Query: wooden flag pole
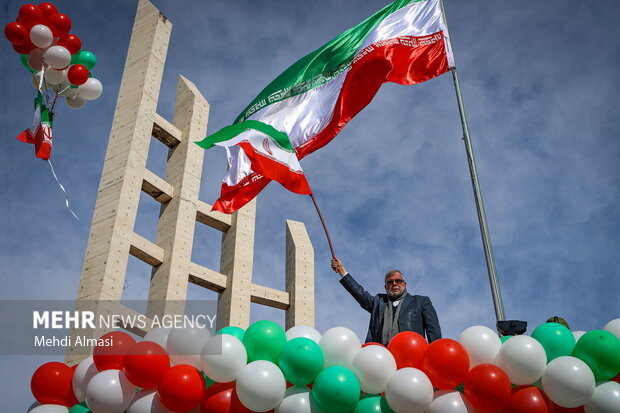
[(482, 220), (329, 241)]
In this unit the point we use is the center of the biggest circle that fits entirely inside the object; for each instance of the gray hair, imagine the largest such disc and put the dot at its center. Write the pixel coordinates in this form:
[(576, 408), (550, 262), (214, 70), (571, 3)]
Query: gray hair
[(392, 272)]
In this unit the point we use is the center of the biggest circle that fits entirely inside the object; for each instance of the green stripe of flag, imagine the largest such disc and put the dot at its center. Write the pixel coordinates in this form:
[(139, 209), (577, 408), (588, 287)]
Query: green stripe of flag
[(279, 138), (321, 65)]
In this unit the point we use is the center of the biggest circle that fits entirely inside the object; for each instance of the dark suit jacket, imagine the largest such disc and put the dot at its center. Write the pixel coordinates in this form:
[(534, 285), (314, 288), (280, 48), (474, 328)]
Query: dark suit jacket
[(417, 312)]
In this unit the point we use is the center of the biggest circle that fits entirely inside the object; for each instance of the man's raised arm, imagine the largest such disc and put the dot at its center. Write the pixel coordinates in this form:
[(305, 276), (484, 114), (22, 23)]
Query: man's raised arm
[(363, 297)]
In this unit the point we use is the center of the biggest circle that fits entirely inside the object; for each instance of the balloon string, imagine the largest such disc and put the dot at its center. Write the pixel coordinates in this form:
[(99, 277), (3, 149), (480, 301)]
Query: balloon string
[(63, 190), (64, 89), (42, 77)]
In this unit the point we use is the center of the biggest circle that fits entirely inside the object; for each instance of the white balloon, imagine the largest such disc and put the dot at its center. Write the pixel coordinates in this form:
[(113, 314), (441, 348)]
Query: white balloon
[(49, 408), (158, 335), (373, 366), (76, 102), (577, 335), (260, 385), (54, 77), (109, 391), (84, 372), (146, 401), (409, 390), (41, 36), (613, 327), (296, 400), (35, 59), (606, 398), (91, 90), (184, 345), (223, 357), (303, 331), (339, 345), (448, 401), (482, 345), (523, 359), (57, 57), (568, 381)]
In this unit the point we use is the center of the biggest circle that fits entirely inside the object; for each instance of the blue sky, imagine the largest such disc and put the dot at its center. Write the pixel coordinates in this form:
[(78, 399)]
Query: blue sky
[(540, 84)]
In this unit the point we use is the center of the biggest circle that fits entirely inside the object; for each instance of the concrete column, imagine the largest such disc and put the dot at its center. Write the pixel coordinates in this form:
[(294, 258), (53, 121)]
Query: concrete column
[(177, 219), (107, 251), (233, 304), (299, 275)]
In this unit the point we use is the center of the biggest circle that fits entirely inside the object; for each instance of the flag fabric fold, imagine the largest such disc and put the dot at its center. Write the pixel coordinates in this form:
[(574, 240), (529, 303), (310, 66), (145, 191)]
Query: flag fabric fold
[(309, 103)]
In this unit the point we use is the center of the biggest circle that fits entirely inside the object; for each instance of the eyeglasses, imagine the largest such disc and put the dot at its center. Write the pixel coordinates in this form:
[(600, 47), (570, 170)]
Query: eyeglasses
[(397, 281)]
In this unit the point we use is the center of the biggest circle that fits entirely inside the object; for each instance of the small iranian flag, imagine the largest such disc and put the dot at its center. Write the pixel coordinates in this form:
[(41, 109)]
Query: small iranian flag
[(269, 151), (406, 43), (40, 133)]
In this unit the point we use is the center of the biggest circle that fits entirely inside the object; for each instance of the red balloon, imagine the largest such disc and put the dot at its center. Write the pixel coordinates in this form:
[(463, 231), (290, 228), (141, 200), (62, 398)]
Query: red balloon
[(29, 15), (217, 398), (111, 353), (181, 388), (408, 348), (222, 398), (52, 384), (24, 48), (47, 9), (144, 364), (71, 42), (487, 387), (59, 24), (16, 33), (446, 363), (528, 399), (77, 74), (617, 378)]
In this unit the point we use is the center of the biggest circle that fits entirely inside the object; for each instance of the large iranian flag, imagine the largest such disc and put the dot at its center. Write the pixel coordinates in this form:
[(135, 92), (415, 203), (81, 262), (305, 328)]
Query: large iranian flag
[(406, 43)]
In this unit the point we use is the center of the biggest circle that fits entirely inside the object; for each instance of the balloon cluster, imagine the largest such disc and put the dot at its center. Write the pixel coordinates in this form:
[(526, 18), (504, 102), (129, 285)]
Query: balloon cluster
[(52, 55), (264, 369)]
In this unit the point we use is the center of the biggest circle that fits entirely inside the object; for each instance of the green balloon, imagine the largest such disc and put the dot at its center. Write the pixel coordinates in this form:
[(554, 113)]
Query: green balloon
[(504, 338), (301, 360), (336, 390), (600, 350), (86, 58), (80, 408), (373, 404), (264, 340), (233, 331), (24, 59), (556, 339)]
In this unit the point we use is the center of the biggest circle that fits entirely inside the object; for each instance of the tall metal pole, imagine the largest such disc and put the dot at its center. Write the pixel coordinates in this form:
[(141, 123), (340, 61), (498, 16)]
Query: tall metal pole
[(482, 219)]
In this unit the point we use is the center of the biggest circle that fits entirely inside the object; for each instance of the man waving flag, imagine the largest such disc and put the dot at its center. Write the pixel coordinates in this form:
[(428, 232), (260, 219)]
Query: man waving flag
[(309, 103)]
